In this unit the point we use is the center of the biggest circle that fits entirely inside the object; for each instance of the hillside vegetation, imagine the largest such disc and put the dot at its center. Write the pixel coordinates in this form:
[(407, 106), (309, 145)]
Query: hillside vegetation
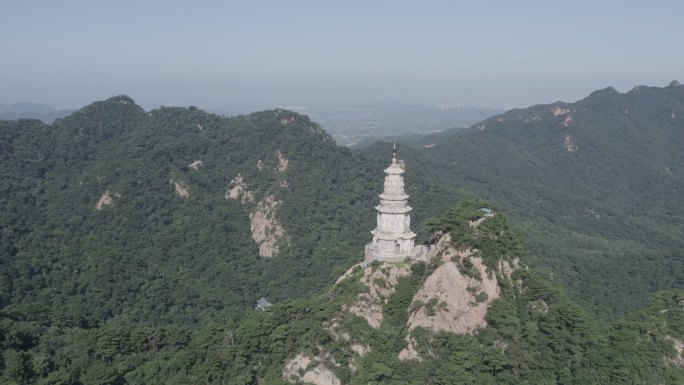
[(596, 187), (134, 244), (173, 215), (370, 327), (532, 333)]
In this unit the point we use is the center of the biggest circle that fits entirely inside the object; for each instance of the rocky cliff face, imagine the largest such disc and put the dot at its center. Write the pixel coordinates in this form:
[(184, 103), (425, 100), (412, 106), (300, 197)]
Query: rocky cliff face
[(450, 300), (454, 296), (380, 283), (474, 313)]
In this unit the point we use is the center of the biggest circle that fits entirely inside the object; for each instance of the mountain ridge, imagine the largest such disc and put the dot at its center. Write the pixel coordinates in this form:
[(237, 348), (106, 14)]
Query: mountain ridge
[(129, 236), (137, 167), (594, 184)]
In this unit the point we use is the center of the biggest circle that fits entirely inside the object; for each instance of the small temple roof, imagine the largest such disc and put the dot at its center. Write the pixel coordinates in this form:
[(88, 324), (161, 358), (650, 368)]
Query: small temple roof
[(263, 304)]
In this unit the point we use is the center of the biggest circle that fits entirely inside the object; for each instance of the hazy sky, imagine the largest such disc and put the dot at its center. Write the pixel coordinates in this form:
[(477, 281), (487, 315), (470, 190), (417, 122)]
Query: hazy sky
[(225, 54)]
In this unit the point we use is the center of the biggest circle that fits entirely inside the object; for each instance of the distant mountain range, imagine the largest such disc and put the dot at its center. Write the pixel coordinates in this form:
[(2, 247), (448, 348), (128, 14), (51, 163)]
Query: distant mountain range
[(38, 111), (374, 119)]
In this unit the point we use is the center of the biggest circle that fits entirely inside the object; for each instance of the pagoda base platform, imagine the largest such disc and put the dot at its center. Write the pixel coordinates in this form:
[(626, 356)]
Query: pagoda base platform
[(419, 253)]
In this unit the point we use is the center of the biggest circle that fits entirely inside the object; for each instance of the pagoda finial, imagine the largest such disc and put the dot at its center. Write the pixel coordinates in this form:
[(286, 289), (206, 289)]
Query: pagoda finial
[(394, 150)]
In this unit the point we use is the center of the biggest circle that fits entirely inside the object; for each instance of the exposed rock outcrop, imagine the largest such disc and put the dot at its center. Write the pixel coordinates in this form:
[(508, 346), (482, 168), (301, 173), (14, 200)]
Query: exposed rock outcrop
[(381, 282), (266, 230), (445, 252), (540, 306), (360, 349), (454, 298), (264, 225), (563, 113), (452, 302), (678, 360), (558, 111), (106, 200), (238, 190), (333, 326), (195, 164), (319, 375), (282, 162), (182, 188), (508, 267), (293, 367), (568, 144), (410, 352)]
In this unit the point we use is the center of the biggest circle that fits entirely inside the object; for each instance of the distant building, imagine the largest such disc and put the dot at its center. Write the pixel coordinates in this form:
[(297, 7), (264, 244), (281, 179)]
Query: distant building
[(393, 240), (262, 304), (487, 212)]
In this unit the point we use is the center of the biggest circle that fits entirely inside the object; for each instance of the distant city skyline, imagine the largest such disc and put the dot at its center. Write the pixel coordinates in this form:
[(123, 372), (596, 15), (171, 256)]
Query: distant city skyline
[(223, 55)]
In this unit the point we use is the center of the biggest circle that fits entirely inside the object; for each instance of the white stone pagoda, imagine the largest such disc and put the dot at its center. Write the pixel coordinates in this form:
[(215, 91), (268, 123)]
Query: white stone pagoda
[(393, 240)]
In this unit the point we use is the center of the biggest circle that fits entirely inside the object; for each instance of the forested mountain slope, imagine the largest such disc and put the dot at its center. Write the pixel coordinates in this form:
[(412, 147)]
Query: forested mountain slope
[(133, 245), (140, 238), (172, 215), (596, 186), (473, 314)]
